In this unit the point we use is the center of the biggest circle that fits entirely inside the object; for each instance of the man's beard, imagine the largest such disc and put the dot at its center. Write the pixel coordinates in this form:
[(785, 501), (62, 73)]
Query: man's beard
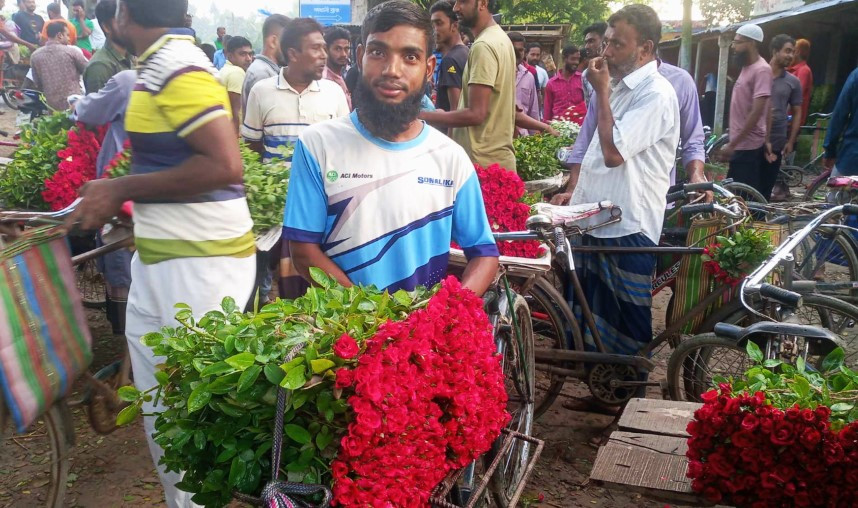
[(384, 120), (740, 58), (468, 21), (620, 70), (570, 69)]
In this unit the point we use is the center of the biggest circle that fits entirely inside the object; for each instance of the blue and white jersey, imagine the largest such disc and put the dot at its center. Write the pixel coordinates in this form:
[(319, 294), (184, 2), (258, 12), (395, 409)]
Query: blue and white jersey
[(385, 212)]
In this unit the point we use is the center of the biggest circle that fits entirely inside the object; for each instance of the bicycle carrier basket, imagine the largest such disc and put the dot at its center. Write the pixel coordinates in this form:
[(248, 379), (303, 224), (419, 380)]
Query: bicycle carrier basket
[(45, 342)]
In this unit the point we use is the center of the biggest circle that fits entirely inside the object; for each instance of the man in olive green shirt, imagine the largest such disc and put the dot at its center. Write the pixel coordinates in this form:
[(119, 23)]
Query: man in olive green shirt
[(110, 60), (485, 120)]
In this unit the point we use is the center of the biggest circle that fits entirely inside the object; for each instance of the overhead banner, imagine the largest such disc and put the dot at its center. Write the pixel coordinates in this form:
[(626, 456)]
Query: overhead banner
[(762, 7), (327, 12)]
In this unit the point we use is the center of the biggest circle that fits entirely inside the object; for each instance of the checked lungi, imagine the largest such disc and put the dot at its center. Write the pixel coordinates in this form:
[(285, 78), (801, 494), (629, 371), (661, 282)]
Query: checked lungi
[(618, 288)]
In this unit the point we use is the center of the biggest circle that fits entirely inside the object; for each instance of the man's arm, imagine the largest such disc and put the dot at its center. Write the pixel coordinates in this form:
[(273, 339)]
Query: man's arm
[(235, 105), (309, 255), (770, 113), (453, 94), (479, 274), (795, 129), (525, 121), (548, 105), (85, 28), (12, 36), (471, 230), (216, 164), (840, 119), (80, 61), (600, 79), (474, 113), (107, 104), (251, 126)]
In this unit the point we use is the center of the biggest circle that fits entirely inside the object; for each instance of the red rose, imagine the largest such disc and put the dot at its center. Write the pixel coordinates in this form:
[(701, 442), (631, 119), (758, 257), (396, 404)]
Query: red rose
[(810, 438), (345, 378), (712, 494), (743, 439), (750, 422), (720, 465), (783, 433), (345, 347)]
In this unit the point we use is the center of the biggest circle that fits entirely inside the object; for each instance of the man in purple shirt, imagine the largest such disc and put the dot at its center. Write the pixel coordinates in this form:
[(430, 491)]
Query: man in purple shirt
[(690, 132)]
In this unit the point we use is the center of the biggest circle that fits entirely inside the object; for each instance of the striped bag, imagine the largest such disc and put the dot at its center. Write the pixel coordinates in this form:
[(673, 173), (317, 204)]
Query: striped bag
[(45, 343), (693, 283)]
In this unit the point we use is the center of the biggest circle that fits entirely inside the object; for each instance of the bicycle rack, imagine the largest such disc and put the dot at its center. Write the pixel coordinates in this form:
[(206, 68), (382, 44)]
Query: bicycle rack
[(440, 493)]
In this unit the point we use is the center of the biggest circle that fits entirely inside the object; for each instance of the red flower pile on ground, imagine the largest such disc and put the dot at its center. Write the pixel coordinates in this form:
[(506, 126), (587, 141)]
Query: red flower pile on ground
[(715, 269), (77, 166), (502, 193), (744, 452), (429, 397)]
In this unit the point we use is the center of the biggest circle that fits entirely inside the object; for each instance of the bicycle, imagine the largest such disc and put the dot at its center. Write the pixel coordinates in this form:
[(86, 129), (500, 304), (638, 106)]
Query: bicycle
[(700, 359)]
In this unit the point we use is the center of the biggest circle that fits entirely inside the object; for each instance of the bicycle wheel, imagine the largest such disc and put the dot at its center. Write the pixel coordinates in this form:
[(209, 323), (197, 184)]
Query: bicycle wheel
[(695, 363), (44, 477), (690, 373), (746, 192), (828, 255), (792, 175), (11, 98), (519, 367), (818, 190), (552, 320)]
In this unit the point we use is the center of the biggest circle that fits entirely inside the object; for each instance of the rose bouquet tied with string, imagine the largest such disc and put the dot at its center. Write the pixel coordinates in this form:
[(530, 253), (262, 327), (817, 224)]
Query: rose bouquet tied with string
[(381, 394)]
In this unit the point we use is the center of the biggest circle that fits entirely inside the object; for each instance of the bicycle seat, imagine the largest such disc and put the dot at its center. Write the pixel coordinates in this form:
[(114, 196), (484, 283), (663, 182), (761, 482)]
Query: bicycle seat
[(843, 181), (820, 340), (563, 215)]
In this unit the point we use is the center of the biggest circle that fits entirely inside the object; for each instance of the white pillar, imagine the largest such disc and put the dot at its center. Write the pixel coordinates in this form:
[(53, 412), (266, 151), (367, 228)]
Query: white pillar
[(697, 62), (721, 94)]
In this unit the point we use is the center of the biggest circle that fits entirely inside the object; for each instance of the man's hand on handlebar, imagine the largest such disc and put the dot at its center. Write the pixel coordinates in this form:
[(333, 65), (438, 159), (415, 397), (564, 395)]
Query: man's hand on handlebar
[(561, 199), (828, 164), (101, 202)]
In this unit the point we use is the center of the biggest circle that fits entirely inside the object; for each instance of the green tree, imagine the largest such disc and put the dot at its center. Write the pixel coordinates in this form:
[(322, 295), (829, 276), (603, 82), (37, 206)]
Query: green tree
[(721, 12)]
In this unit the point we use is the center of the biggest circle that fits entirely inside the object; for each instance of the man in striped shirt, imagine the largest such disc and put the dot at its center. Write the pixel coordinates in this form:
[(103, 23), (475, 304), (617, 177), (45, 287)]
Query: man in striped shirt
[(192, 226)]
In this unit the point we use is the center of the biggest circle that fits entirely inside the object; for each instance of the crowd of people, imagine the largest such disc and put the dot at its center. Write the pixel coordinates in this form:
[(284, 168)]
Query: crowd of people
[(382, 139)]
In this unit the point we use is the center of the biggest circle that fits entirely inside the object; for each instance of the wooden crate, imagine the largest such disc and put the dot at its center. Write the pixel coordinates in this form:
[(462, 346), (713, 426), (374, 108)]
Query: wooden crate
[(647, 453)]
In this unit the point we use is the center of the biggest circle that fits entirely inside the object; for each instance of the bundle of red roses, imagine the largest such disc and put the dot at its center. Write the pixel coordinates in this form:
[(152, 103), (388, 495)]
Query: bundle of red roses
[(428, 398), (77, 166), (503, 194), (745, 452)]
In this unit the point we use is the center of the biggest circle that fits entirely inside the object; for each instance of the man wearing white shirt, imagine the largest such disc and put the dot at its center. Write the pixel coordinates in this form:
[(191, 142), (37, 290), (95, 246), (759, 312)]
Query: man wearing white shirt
[(629, 163)]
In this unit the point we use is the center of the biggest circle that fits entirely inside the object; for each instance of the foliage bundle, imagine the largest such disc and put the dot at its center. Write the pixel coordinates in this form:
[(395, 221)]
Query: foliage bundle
[(378, 384), (536, 156), (782, 436), (732, 257), (265, 185)]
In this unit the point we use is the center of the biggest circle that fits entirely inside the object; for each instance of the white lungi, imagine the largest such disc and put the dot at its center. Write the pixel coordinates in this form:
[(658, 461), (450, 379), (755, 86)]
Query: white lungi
[(201, 283)]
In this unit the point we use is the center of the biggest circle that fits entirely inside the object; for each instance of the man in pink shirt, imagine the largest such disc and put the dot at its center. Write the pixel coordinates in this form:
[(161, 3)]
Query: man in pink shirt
[(565, 88), (746, 149), (339, 45), (526, 91)]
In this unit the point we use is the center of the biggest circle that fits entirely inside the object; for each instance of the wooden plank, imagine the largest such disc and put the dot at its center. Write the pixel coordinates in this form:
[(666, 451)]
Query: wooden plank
[(655, 465), (654, 416)]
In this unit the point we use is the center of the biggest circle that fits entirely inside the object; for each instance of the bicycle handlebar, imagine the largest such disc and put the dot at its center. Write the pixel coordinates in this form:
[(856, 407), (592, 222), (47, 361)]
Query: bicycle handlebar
[(711, 208), (38, 217), (784, 296)]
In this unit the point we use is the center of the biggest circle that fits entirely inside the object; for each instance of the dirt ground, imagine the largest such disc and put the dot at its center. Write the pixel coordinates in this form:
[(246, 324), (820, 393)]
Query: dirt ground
[(116, 470)]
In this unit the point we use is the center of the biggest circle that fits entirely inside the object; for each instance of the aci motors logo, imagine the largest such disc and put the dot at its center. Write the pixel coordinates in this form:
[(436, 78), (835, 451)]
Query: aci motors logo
[(434, 181), (332, 176)]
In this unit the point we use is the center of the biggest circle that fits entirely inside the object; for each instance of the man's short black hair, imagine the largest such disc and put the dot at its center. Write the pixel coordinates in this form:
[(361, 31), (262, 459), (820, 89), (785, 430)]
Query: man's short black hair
[(388, 15), (79, 3), (335, 33), (157, 13), (209, 50), (569, 50), (105, 11), (445, 6), (599, 27), (516, 36), (53, 8), (644, 19), (531, 45), (295, 31), (237, 43), (779, 41), (273, 24), (55, 28)]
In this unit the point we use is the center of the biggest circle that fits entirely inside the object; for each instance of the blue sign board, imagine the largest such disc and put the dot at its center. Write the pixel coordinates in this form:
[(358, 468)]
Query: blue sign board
[(327, 12)]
